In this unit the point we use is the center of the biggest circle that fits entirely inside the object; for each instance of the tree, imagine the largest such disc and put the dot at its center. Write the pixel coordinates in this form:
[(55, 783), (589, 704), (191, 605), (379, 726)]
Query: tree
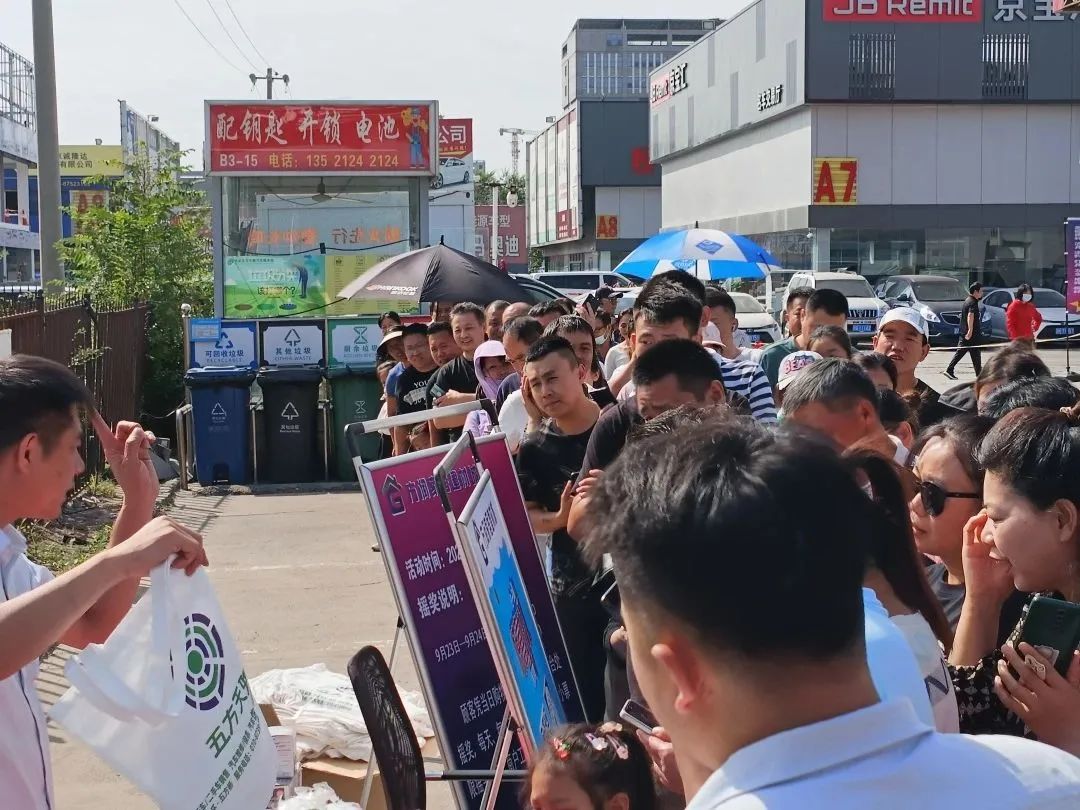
[(152, 244), (510, 182)]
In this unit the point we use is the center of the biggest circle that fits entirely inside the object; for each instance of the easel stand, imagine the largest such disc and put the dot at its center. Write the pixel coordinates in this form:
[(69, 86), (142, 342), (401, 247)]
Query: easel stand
[(507, 731)]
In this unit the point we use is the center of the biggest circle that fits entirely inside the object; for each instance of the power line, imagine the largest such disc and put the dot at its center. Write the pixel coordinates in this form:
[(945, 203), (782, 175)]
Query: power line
[(213, 47), (230, 36), (243, 30)]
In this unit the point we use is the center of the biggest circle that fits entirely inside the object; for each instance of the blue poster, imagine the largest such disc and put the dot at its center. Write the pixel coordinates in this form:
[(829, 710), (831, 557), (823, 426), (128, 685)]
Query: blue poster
[(507, 616)]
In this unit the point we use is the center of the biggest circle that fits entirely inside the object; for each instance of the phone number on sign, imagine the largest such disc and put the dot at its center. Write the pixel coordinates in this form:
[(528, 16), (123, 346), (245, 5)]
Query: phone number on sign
[(301, 161)]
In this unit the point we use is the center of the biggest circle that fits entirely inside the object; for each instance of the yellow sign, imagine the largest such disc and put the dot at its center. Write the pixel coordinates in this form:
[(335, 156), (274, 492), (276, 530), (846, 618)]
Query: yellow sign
[(836, 181), (607, 226), (340, 270), (90, 161)]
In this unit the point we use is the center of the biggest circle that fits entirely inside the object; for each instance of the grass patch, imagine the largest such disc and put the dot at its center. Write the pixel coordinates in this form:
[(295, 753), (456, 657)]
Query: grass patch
[(60, 554), (100, 486)]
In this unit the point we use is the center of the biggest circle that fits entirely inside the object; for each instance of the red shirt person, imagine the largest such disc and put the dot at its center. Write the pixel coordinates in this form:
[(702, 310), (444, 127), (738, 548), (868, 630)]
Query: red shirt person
[(1022, 318)]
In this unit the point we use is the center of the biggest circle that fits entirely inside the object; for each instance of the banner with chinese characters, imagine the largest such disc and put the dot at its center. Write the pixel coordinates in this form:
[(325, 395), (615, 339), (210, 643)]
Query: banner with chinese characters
[(1072, 264), (275, 286), (513, 244), (321, 138), (507, 616), (442, 623), (341, 270)]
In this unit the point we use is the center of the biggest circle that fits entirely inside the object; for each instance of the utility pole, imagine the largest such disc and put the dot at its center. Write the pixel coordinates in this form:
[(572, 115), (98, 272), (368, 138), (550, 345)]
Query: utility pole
[(270, 77), (515, 144), (48, 137)]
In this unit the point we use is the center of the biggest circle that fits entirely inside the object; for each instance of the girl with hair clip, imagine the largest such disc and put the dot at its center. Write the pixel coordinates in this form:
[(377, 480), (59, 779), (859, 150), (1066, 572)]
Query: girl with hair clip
[(896, 574), (1027, 538), (587, 767)]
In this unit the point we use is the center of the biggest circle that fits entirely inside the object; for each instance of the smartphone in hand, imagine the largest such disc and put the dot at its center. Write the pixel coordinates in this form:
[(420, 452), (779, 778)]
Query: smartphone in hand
[(638, 716), (1052, 627)]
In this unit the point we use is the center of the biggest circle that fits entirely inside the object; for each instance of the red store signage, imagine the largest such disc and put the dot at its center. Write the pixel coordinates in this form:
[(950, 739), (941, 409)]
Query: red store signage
[(318, 138), (455, 137), (901, 11)]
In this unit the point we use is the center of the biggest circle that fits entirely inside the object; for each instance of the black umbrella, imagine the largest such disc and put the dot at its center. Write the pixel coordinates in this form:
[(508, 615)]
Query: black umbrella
[(437, 274)]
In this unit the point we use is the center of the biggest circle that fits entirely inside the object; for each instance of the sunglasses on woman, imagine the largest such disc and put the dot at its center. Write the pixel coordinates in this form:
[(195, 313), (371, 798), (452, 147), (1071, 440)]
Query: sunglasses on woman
[(933, 497)]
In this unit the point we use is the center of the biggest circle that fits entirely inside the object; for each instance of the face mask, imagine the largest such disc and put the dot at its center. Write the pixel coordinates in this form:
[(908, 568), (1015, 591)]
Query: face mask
[(1026, 297), (600, 341)]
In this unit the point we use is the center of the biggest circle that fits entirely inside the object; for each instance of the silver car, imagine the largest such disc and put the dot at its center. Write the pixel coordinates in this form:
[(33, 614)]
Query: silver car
[(1050, 303)]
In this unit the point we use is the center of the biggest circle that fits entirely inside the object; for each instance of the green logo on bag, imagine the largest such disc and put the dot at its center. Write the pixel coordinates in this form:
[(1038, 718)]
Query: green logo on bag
[(205, 684)]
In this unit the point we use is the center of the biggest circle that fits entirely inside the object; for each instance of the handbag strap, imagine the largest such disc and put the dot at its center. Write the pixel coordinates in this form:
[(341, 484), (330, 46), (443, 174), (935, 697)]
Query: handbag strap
[(92, 676)]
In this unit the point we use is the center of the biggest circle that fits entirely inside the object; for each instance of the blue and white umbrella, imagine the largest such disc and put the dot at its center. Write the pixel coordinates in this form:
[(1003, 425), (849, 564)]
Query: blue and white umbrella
[(709, 255)]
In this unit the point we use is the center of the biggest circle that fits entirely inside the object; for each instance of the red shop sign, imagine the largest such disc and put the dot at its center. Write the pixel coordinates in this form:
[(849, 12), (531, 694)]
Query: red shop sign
[(321, 138), (901, 11)]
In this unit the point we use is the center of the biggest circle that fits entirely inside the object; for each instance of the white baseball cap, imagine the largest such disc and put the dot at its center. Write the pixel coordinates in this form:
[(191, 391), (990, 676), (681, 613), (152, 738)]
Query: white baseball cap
[(912, 317), (791, 365)]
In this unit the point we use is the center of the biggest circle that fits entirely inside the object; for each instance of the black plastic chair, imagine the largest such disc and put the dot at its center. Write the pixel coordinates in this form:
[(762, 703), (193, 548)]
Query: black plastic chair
[(393, 742)]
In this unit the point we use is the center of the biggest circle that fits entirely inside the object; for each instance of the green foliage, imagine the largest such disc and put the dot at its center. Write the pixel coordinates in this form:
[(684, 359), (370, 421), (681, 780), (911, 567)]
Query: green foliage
[(59, 555), (510, 182), (152, 244)]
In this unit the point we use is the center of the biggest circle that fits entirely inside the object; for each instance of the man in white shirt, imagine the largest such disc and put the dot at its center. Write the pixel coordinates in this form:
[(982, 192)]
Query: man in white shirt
[(742, 597), (40, 437)]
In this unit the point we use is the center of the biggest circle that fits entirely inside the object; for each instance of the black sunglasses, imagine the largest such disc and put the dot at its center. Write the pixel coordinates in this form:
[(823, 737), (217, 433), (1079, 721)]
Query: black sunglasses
[(933, 497)]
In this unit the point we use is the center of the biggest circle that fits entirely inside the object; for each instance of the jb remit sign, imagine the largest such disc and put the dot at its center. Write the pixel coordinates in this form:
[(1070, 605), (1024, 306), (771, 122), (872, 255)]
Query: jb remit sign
[(898, 11)]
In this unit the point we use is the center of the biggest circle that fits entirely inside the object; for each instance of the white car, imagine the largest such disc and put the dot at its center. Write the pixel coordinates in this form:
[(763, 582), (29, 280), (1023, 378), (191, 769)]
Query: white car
[(574, 283), (757, 324), (864, 307), (452, 171)]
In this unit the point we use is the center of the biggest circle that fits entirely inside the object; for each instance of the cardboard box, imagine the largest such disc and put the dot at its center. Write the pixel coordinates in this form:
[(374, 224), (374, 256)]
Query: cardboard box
[(346, 777)]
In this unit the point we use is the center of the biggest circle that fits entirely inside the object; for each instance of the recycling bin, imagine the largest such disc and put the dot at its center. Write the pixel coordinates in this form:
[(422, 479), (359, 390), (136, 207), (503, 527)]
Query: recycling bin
[(291, 425), (357, 397), (220, 415)]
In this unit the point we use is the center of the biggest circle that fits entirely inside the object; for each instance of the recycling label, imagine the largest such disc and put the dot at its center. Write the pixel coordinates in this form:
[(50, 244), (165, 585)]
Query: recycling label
[(289, 416), (218, 414), (354, 342), (292, 343), (235, 346)]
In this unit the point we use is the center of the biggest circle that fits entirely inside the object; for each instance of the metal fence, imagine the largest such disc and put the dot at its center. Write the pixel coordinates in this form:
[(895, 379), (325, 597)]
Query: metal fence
[(103, 342)]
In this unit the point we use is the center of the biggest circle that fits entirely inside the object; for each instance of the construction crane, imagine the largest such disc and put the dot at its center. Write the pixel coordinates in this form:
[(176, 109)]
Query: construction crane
[(515, 144)]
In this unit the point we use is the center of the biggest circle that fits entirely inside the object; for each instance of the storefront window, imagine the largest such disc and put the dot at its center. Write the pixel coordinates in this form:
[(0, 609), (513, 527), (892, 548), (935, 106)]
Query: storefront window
[(999, 257), (290, 215)]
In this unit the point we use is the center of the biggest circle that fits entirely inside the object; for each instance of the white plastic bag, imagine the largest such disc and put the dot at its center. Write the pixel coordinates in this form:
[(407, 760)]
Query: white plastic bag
[(320, 706), (191, 736)]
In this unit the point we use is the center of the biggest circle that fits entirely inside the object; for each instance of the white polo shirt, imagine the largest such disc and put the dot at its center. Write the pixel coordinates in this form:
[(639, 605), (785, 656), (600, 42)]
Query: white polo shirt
[(25, 770), (883, 757)]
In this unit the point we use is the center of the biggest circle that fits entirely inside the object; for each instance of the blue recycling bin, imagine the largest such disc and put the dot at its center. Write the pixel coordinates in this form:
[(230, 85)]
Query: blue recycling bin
[(220, 414)]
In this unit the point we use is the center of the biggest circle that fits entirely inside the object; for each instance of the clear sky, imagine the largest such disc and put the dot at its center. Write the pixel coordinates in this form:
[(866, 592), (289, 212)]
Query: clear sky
[(496, 61)]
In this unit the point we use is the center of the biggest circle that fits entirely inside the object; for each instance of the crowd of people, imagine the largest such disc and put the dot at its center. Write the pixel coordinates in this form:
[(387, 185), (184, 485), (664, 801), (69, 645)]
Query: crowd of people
[(812, 610)]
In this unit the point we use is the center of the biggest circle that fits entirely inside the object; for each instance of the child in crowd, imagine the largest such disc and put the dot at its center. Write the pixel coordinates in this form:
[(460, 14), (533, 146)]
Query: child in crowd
[(586, 767), (420, 436), (831, 341)]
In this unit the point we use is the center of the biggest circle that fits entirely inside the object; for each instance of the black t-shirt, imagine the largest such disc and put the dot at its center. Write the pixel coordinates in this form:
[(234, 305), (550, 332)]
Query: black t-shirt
[(971, 307), (546, 460), (951, 598), (412, 390), (931, 410), (457, 375), (609, 436)]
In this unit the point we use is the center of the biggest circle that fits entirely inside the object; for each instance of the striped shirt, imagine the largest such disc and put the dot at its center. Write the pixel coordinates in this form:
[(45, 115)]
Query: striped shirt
[(748, 380)]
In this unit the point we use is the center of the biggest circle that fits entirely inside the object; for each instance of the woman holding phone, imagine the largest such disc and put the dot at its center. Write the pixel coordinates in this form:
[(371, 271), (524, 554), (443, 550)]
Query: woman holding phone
[(1027, 537)]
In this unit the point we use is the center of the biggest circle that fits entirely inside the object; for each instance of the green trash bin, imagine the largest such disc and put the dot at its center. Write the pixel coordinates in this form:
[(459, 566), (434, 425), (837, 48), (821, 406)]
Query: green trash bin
[(357, 397)]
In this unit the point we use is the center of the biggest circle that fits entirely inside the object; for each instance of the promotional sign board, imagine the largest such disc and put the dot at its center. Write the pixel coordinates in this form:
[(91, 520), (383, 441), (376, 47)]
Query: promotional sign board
[(234, 347), (905, 11), (274, 286), (293, 343), (513, 245), (321, 138), (341, 270), (1072, 264), (353, 342), (443, 626), (455, 170), (506, 615), (836, 181)]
